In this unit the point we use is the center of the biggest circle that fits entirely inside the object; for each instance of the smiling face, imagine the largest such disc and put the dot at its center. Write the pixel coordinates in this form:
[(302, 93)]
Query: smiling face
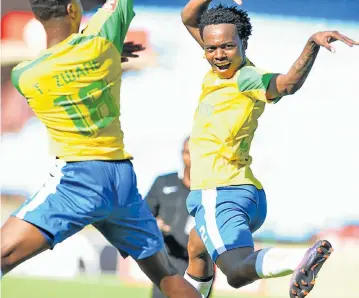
[(223, 48)]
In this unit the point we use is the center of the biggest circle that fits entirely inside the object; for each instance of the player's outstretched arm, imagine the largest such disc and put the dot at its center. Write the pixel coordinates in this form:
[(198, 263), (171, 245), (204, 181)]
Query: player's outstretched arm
[(112, 21), (286, 84), (191, 14)]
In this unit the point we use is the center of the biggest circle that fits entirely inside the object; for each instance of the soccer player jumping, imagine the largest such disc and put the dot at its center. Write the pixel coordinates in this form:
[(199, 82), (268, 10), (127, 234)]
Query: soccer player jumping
[(227, 201), (74, 87)]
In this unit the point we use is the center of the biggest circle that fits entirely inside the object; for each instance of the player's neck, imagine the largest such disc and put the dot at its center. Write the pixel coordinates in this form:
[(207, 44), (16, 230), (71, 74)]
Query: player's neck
[(186, 177), (56, 32)]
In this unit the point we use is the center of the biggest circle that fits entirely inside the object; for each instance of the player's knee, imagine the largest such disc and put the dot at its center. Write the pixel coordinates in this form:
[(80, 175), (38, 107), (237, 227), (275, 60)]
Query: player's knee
[(193, 250), (7, 263), (238, 274), (237, 278), (195, 246), (18, 243), (8, 244), (157, 267), (8, 257)]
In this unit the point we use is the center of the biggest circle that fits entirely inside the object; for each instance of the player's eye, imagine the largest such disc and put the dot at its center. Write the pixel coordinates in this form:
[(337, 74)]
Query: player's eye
[(210, 49), (229, 46)]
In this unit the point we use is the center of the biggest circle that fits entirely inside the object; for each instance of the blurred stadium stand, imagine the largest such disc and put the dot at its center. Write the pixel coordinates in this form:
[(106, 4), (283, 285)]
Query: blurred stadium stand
[(345, 10)]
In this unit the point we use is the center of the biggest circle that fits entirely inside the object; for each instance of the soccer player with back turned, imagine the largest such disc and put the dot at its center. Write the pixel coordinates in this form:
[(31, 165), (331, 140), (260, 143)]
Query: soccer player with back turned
[(74, 87)]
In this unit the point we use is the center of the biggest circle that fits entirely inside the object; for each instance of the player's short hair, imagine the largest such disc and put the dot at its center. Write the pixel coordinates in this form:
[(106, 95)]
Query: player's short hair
[(49, 9), (222, 14)]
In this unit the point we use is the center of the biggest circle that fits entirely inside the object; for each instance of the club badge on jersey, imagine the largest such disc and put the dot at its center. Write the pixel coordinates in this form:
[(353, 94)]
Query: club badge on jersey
[(110, 4)]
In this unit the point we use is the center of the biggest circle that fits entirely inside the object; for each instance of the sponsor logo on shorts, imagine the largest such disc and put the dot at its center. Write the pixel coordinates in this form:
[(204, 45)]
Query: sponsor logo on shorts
[(70, 173)]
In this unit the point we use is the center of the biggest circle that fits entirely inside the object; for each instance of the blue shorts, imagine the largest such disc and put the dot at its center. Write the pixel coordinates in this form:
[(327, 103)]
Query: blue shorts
[(101, 193), (226, 217)]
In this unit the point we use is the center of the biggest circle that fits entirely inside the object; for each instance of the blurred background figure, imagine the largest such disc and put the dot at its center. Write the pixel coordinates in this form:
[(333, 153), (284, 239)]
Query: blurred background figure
[(167, 201)]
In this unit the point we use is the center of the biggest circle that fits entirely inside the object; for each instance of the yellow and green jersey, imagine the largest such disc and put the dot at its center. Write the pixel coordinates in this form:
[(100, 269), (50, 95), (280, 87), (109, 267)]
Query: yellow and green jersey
[(74, 87), (224, 125)]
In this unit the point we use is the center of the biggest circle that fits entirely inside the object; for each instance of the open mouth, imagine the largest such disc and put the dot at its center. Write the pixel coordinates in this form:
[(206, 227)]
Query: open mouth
[(223, 66)]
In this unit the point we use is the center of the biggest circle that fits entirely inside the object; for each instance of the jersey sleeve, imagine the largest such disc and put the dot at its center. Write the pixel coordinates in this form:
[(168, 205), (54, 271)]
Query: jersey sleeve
[(15, 77), (254, 83), (112, 21)]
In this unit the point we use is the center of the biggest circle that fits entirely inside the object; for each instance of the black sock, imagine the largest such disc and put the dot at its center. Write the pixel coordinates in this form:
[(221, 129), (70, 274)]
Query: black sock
[(200, 279)]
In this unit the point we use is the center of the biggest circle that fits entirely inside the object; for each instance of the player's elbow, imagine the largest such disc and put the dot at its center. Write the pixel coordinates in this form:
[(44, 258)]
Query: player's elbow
[(293, 88), (288, 85), (184, 18), (289, 88), (187, 18)]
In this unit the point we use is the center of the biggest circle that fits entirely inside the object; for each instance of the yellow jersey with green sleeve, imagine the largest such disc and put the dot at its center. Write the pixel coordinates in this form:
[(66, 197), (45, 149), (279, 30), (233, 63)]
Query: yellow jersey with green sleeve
[(223, 128), (74, 87)]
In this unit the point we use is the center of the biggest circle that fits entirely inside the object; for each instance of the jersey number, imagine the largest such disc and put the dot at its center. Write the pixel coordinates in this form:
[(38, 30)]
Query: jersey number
[(98, 100), (202, 231)]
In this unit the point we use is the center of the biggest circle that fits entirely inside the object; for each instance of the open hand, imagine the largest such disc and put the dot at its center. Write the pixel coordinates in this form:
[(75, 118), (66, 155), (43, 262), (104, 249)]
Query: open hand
[(325, 39), (128, 50)]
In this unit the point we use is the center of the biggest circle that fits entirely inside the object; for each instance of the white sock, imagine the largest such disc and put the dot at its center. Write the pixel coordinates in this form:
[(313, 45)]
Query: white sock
[(276, 262), (201, 286)]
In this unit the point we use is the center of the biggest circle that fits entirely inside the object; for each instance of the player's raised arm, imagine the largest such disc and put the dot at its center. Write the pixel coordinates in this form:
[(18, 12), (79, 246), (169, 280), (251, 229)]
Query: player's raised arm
[(191, 14), (112, 21), (286, 84)]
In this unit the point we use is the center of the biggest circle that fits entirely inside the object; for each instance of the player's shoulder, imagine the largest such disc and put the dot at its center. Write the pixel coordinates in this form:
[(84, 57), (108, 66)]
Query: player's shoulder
[(16, 73), (28, 64), (253, 78), (23, 67)]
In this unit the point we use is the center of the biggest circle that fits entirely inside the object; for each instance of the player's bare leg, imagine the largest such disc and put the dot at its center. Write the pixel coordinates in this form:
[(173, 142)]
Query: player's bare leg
[(200, 263), (274, 262), (20, 241), (200, 266), (269, 263), (161, 272), (243, 266)]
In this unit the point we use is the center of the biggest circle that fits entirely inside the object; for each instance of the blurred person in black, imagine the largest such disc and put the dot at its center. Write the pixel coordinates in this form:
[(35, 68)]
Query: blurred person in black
[(167, 201), (92, 4)]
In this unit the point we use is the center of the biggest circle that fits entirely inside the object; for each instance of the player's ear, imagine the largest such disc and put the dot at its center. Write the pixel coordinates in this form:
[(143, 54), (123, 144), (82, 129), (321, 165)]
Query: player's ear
[(72, 11)]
